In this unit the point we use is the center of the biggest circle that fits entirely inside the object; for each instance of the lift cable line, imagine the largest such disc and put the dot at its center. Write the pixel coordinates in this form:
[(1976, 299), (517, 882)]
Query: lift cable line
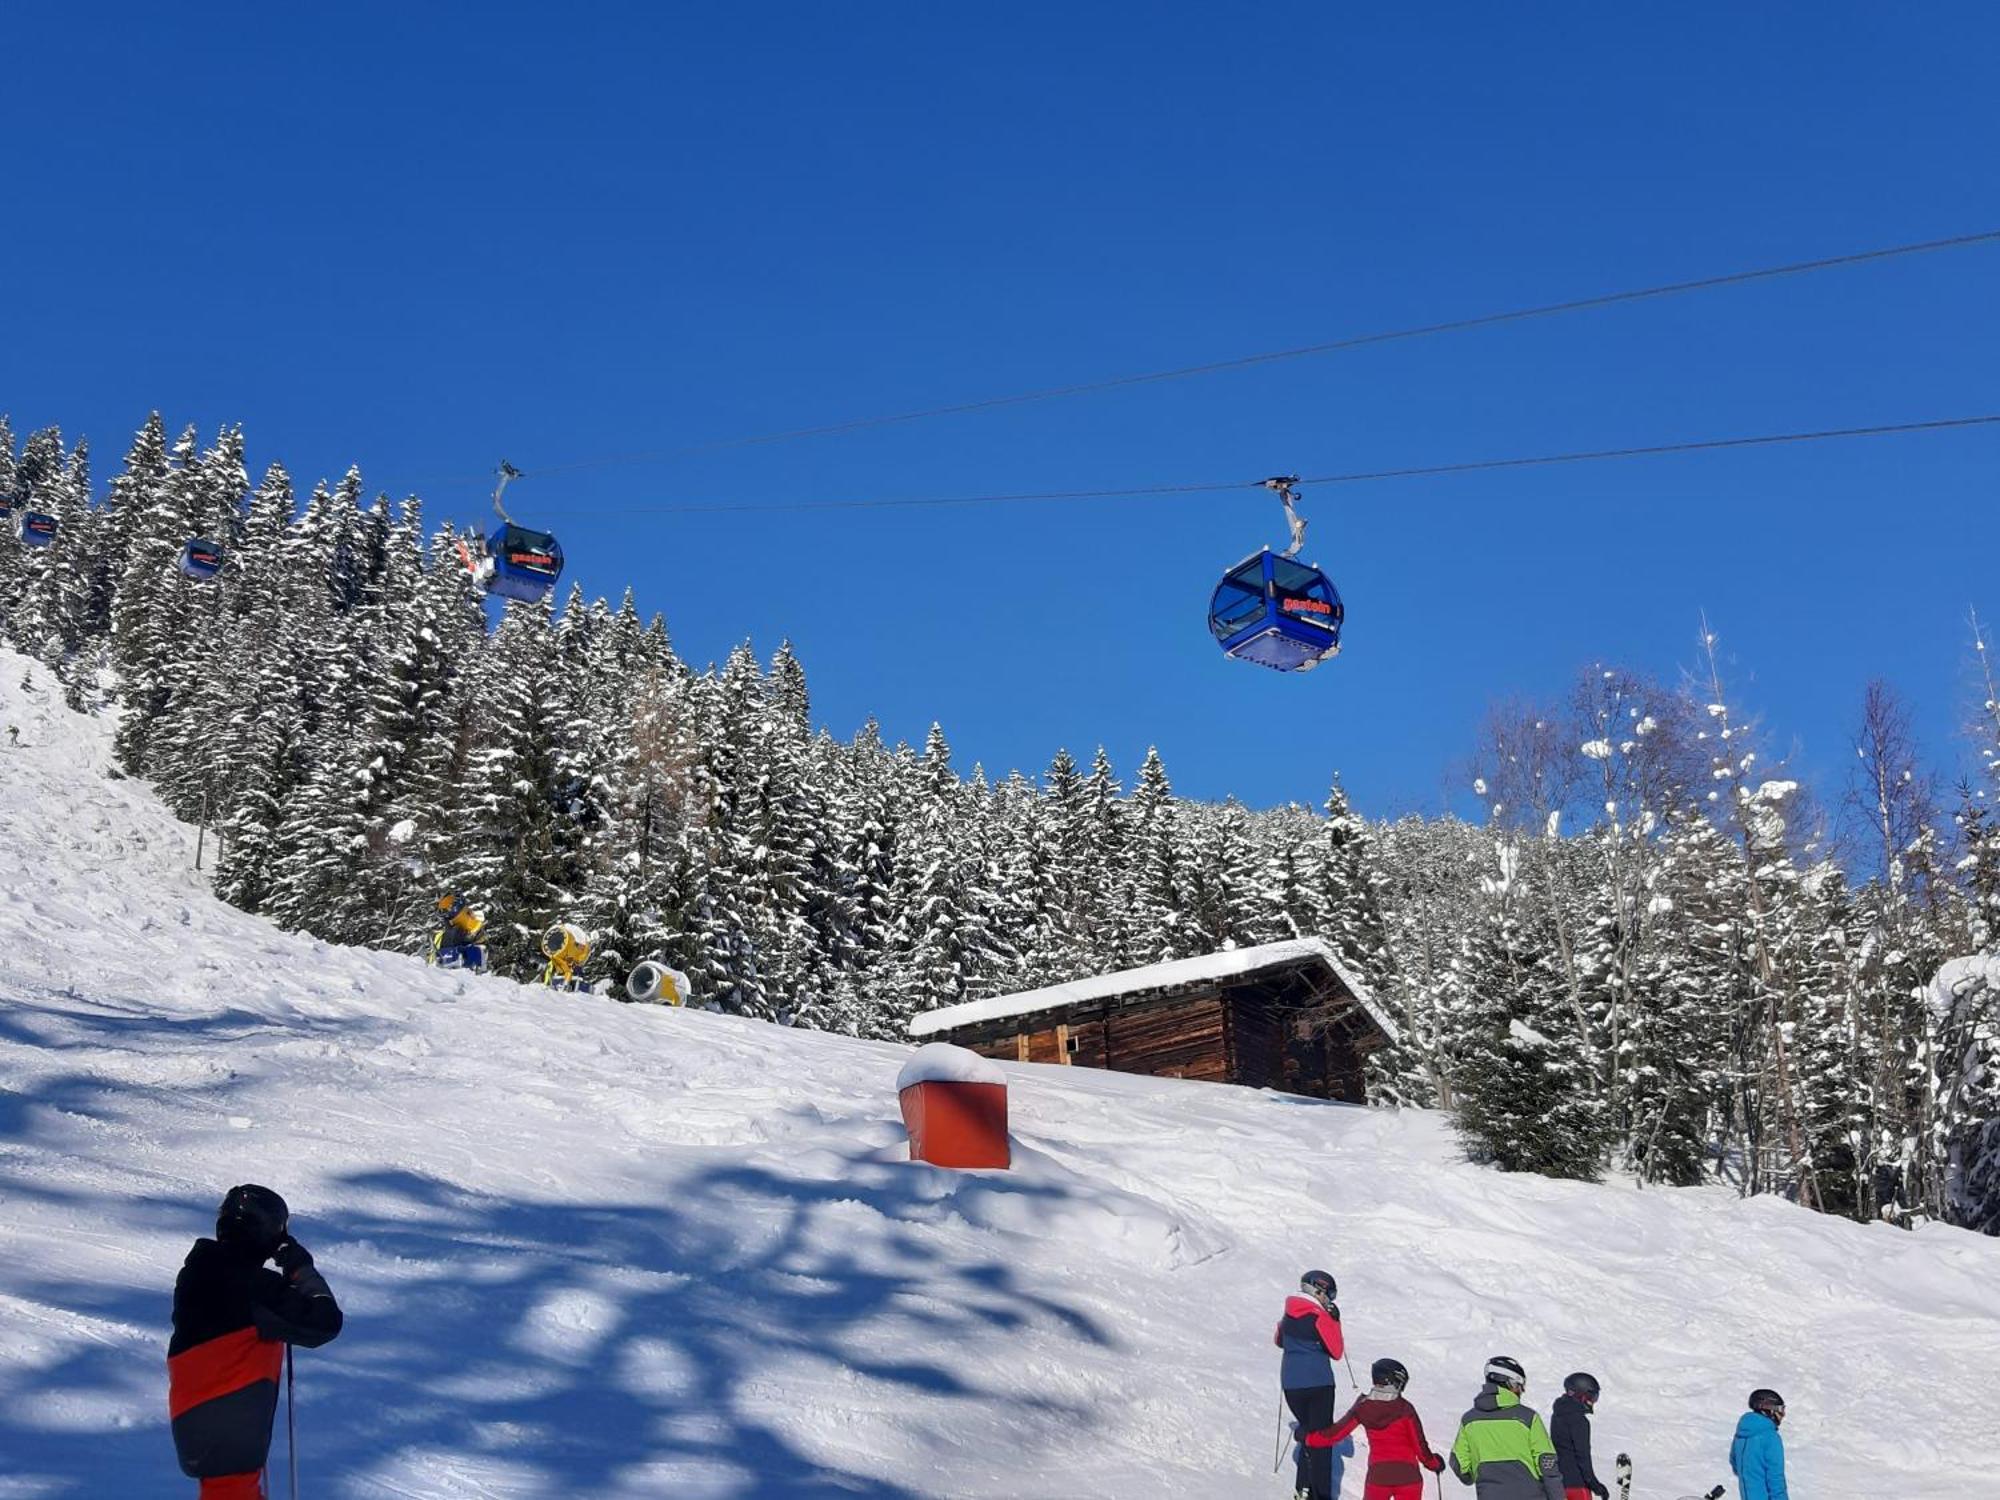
[(1361, 476), (1272, 356)]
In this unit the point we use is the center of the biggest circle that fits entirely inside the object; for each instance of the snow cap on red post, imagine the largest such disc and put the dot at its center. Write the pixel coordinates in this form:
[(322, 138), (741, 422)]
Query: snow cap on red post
[(941, 1062)]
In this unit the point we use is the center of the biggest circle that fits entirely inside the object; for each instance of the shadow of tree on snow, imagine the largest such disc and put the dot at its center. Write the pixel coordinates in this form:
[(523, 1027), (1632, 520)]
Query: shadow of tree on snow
[(509, 1347)]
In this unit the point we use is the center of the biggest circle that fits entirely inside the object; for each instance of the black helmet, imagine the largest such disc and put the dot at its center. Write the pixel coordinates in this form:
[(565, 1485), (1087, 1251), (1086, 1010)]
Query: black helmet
[(252, 1217), (1502, 1370), (1583, 1385), (1319, 1284), (1389, 1372), (1769, 1402)]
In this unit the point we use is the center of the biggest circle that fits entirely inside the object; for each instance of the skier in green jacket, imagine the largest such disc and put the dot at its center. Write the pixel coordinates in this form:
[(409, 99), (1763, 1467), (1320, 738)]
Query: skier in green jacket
[(1502, 1447)]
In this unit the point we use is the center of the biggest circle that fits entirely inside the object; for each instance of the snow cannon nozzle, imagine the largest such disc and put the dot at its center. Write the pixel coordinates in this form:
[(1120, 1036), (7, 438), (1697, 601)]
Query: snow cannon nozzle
[(652, 982), (564, 941)]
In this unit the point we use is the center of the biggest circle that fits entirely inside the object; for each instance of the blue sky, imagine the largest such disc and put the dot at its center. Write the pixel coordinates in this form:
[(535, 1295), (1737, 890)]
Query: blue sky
[(421, 239)]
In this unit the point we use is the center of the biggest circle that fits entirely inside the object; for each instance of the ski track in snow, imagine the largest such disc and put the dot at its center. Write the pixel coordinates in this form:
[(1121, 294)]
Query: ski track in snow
[(595, 1249)]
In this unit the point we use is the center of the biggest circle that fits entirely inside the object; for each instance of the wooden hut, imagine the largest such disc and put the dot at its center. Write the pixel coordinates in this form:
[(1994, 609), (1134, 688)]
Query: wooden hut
[(1283, 1016)]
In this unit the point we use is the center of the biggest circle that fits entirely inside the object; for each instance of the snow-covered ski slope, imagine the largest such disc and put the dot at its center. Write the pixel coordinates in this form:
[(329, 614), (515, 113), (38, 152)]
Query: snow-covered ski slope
[(594, 1249)]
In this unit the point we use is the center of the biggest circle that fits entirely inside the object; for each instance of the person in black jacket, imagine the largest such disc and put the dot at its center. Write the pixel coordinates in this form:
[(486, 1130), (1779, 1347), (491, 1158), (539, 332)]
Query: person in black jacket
[(1569, 1430), (232, 1321)]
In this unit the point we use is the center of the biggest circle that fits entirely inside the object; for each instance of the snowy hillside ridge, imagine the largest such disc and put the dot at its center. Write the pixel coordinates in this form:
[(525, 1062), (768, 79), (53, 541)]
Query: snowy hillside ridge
[(595, 1249), (1202, 969), (1645, 890)]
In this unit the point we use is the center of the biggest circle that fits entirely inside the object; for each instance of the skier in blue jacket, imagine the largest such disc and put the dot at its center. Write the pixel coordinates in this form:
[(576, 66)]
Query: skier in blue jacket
[(1757, 1456)]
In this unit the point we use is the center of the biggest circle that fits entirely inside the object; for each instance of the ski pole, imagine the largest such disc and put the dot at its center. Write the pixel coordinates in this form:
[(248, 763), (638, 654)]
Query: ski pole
[(291, 1423), (1278, 1457)]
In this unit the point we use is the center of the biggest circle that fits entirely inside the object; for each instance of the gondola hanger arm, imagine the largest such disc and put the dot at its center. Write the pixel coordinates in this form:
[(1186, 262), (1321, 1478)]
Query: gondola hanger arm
[(506, 472), (1285, 486)]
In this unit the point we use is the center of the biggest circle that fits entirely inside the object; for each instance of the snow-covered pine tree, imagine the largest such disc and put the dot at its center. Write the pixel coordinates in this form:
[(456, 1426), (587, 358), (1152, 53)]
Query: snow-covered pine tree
[(938, 937), (509, 851), (65, 602), (732, 711), (1217, 890), (877, 800), (799, 913), (1349, 884), (1684, 989), (261, 741), (40, 484), (1778, 1152), (1526, 1099), (1286, 899), (1067, 871), (1965, 1002), (1018, 865), (1150, 921)]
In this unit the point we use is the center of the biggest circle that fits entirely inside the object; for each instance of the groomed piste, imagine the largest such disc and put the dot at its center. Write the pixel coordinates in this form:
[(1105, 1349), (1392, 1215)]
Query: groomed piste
[(606, 1250)]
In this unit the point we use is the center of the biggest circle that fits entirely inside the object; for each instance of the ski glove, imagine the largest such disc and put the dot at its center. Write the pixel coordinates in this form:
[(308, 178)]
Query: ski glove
[(1435, 1463), (292, 1258), (1600, 1491)]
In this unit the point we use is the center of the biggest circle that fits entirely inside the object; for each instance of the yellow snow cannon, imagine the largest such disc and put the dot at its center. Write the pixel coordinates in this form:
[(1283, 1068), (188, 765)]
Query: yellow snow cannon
[(461, 921), (653, 983), (566, 947), (455, 945)]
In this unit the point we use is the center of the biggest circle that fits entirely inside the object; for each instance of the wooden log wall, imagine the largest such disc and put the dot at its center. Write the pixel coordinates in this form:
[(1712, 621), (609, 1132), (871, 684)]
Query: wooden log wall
[(1174, 1039), (1257, 1048), (1285, 1033)]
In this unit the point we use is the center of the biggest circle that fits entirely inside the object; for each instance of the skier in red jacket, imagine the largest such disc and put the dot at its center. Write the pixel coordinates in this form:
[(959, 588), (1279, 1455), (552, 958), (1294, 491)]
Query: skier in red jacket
[(1309, 1333), (1398, 1451)]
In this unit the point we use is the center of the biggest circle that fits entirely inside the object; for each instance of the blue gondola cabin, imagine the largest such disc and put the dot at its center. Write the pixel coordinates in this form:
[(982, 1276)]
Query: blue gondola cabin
[(34, 528), (1277, 612), (522, 564), (201, 560)]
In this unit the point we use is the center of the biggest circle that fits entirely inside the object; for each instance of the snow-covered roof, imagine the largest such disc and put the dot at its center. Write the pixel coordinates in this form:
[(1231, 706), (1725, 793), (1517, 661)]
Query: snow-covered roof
[(1129, 984), (940, 1062)]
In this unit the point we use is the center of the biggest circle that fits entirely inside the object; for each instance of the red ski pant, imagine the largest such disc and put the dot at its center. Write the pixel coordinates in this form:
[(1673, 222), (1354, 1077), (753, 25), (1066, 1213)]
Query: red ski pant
[(1576, 1492), (234, 1487), (1394, 1491)]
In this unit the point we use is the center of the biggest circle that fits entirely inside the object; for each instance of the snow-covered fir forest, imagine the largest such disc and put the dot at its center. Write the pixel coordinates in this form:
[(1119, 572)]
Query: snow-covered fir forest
[(1656, 954)]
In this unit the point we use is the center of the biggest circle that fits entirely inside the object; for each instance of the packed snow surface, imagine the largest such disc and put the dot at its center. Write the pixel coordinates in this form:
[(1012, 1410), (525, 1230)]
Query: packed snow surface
[(590, 1249), (1228, 964)]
